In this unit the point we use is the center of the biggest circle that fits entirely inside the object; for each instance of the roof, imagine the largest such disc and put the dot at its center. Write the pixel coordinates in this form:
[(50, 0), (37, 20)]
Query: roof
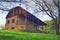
[(31, 17), (35, 19)]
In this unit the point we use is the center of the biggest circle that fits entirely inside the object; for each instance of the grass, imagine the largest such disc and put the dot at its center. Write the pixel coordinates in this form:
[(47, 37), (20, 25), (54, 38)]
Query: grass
[(20, 35)]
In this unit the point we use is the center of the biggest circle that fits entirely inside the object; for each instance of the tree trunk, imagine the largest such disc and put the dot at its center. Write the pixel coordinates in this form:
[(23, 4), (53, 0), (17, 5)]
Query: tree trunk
[(56, 24), (58, 19)]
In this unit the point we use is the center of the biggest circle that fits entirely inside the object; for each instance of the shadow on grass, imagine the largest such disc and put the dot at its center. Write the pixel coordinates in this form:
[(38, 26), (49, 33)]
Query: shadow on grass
[(2, 37)]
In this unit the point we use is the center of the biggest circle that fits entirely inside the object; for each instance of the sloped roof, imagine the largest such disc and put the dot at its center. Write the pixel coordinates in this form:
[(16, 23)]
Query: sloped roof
[(35, 19), (30, 17)]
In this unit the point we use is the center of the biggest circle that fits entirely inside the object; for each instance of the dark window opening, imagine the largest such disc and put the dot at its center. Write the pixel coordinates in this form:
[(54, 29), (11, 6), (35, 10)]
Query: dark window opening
[(12, 27), (13, 21), (8, 22)]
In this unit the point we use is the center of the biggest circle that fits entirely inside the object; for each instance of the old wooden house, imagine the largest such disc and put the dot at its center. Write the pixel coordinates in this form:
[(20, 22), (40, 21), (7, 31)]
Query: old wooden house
[(19, 18)]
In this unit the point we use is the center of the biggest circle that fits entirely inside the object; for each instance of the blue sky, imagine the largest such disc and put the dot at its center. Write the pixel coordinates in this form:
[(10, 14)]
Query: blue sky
[(30, 9)]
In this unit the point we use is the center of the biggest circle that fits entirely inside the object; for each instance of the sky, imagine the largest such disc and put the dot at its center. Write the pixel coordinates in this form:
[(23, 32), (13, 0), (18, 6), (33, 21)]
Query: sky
[(30, 9)]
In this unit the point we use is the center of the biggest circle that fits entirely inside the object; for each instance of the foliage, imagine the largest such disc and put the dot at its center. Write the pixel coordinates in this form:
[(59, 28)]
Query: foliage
[(50, 26), (19, 35)]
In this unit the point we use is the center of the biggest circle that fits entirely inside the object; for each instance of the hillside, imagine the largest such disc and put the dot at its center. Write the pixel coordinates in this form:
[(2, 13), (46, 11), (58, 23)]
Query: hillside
[(20, 35)]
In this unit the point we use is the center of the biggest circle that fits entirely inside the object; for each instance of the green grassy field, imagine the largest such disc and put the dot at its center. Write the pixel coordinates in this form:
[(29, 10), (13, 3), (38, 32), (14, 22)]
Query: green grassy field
[(20, 35)]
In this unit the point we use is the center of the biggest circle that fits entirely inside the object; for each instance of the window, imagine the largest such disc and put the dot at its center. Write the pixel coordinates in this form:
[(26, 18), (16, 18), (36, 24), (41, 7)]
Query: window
[(12, 27), (8, 21), (13, 21)]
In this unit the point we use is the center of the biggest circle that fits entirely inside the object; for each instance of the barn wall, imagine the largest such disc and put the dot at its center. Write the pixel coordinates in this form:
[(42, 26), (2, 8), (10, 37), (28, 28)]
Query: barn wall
[(18, 23), (13, 14), (21, 23), (16, 11), (31, 26), (10, 24)]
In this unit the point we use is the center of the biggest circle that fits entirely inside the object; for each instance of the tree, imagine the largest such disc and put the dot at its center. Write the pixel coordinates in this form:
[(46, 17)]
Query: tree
[(48, 8), (50, 26), (57, 2)]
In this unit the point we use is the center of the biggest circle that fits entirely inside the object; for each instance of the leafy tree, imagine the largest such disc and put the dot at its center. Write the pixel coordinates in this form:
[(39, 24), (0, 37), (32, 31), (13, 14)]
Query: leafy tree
[(50, 26), (49, 8)]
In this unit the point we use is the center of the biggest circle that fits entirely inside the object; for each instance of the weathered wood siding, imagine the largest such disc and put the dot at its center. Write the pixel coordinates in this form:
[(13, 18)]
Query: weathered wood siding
[(13, 14), (16, 11), (21, 23), (10, 25), (31, 26)]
